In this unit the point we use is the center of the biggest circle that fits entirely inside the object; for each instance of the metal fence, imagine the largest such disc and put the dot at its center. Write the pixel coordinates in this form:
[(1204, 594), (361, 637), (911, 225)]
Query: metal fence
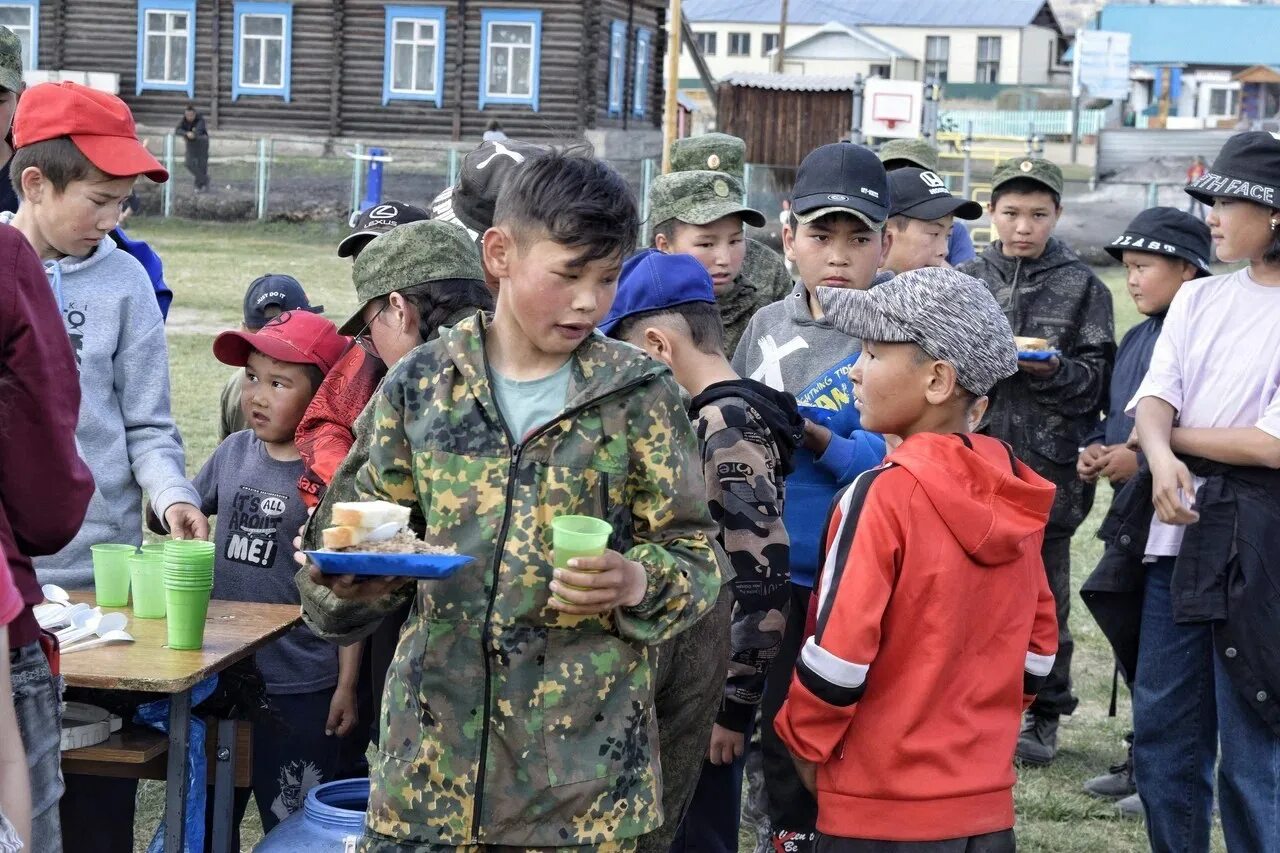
[(1016, 122)]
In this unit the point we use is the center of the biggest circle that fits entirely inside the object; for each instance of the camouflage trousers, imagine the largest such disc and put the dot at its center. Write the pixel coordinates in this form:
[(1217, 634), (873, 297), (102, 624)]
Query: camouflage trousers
[(369, 844)]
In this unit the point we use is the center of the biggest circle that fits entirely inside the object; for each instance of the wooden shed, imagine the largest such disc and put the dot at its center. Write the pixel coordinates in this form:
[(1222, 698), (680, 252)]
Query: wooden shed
[(546, 69), (783, 117)]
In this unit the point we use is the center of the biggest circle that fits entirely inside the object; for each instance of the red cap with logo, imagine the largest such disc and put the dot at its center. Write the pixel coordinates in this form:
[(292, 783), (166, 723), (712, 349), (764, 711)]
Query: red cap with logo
[(295, 337), (99, 124)]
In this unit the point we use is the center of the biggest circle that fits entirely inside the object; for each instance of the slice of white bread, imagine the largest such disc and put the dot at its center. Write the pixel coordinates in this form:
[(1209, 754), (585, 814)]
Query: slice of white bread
[(334, 538), (367, 515), (1030, 344)]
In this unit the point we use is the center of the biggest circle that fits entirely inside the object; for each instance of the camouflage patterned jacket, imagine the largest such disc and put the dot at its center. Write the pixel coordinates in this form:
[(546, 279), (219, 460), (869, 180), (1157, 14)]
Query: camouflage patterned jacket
[(764, 279), (505, 722), (1056, 297), (748, 432)]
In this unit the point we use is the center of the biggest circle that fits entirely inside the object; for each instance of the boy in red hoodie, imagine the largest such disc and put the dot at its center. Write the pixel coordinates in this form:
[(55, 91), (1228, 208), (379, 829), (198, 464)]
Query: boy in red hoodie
[(935, 621)]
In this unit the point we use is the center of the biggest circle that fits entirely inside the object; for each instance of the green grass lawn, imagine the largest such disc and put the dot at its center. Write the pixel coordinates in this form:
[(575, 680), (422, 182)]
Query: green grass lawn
[(209, 265)]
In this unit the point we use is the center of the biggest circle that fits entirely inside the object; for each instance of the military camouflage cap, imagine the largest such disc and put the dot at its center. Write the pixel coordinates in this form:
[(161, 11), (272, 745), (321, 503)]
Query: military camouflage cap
[(917, 151), (1032, 168), (698, 198), (951, 316), (10, 60), (715, 152), (409, 254)]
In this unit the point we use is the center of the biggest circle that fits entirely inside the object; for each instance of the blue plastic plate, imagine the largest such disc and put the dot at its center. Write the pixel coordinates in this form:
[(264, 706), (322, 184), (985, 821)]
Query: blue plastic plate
[(1038, 355), (425, 566)]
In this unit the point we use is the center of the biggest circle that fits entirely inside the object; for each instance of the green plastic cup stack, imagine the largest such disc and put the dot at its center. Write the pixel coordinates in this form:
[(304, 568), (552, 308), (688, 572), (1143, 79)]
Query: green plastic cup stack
[(578, 536), (146, 573), (188, 583), (111, 574)]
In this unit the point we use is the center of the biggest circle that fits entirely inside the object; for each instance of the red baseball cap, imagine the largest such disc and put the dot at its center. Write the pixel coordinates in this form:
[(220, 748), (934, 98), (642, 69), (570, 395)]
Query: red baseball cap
[(296, 337), (99, 124)]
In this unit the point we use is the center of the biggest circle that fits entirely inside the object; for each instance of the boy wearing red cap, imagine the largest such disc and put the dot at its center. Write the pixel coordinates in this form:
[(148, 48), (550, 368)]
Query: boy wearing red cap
[(76, 162), (251, 484)]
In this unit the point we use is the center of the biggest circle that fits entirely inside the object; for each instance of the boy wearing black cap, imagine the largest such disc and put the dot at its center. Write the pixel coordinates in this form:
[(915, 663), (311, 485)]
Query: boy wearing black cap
[(1047, 409), (836, 238), (268, 297), (1161, 249), (1188, 590), (922, 217), (747, 433), (935, 622), (921, 154), (376, 221)]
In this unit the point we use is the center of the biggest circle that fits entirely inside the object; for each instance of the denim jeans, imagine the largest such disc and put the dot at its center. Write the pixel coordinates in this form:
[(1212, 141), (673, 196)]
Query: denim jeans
[(38, 704), (1184, 705)]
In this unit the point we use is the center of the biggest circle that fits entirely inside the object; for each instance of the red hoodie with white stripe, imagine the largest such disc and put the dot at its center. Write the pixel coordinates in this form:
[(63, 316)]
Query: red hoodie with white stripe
[(935, 629)]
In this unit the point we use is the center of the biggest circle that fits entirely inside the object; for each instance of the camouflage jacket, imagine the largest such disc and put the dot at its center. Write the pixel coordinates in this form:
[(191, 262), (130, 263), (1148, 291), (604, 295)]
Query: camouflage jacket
[(1056, 297), (505, 722), (764, 279), (748, 432)]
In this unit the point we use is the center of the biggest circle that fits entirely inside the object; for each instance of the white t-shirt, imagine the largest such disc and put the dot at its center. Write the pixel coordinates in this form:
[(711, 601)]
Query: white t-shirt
[(1217, 362)]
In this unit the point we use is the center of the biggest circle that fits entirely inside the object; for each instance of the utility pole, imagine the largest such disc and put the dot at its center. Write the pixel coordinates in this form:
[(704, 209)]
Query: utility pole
[(782, 37), (672, 116)]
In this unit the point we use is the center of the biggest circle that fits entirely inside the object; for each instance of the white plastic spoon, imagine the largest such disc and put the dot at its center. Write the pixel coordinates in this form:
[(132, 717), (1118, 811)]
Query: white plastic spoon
[(384, 532), (109, 637), (56, 614), (104, 623), (70, 616), (81, 619), (56, 594)]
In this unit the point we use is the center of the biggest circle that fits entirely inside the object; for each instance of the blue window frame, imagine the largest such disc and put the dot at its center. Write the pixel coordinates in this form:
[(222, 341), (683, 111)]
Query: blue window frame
[(166, 46), (23, 18), (640, 84), (510, 57), (262, 49), (413, 64), (617, 66)]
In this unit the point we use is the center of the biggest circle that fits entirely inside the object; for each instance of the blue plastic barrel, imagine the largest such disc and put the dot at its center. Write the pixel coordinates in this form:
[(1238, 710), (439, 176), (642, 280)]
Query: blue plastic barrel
[(373, 182), (332, 814)]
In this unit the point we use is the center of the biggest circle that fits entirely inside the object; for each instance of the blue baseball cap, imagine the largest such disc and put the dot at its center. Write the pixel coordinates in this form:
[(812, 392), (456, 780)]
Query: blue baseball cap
[(275, 289), (653, 280)]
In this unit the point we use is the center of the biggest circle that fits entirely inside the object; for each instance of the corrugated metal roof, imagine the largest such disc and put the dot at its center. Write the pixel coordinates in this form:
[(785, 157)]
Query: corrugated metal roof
[(1197, 35), (901, 13), (791, 82)]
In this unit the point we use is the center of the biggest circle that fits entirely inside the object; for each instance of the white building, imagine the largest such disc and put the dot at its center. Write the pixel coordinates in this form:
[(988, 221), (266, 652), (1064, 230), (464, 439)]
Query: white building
[(1001, 42)]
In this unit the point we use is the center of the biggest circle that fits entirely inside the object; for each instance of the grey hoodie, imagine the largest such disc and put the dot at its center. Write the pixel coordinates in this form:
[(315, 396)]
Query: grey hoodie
[(126, 433)]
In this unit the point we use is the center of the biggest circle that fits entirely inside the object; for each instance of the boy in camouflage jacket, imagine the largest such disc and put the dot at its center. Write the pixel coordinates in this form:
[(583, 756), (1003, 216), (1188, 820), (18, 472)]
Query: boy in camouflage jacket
[(518, 708)]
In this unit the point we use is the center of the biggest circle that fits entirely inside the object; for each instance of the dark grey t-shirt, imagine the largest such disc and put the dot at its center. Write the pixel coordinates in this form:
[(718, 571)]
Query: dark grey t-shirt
[(259, 512)]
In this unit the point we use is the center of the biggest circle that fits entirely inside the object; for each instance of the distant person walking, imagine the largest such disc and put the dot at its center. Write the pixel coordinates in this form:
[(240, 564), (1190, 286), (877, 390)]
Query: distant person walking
[(1197, 170), (494, 132), (192, 128)]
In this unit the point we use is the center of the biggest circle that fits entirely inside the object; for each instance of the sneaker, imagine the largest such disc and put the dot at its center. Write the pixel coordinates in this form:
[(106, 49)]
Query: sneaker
[(1131, 807), (1115, 784), (1038, 740)]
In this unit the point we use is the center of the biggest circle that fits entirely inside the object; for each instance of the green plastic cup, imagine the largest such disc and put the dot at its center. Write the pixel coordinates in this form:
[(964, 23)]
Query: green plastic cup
[(147, 576), (111, 574), (186, 613), (154, 548), (578, 536)]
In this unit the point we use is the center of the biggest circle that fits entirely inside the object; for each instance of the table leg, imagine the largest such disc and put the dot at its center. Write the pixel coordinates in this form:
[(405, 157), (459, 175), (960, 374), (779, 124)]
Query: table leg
[(175, 796), (224, 786)]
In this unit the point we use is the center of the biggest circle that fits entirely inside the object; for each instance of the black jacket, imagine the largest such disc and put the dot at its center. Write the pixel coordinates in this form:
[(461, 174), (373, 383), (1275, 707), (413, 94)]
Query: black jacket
[(1056, 297), (1227, 574)]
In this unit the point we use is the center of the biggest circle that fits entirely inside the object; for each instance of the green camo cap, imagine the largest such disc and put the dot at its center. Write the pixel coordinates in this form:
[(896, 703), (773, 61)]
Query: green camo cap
[(1033, 168), (715, 152), (10, 60), (698, 198), (917, 151), (409, 254)]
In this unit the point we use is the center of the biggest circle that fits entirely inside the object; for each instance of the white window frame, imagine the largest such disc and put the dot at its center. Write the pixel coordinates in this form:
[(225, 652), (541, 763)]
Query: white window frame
[(416, 41), (170, 35), (987, 63), (944, 59), (705, 38), (510, 48), (768, 43), (739, 44), (31, 44)]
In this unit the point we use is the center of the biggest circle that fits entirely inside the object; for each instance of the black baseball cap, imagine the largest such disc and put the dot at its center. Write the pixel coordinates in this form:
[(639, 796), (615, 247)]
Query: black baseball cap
[(842, 177), (923, 194), (376, 221), (1247, 167), (1166, 231), (470, 203), (282, 291)]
